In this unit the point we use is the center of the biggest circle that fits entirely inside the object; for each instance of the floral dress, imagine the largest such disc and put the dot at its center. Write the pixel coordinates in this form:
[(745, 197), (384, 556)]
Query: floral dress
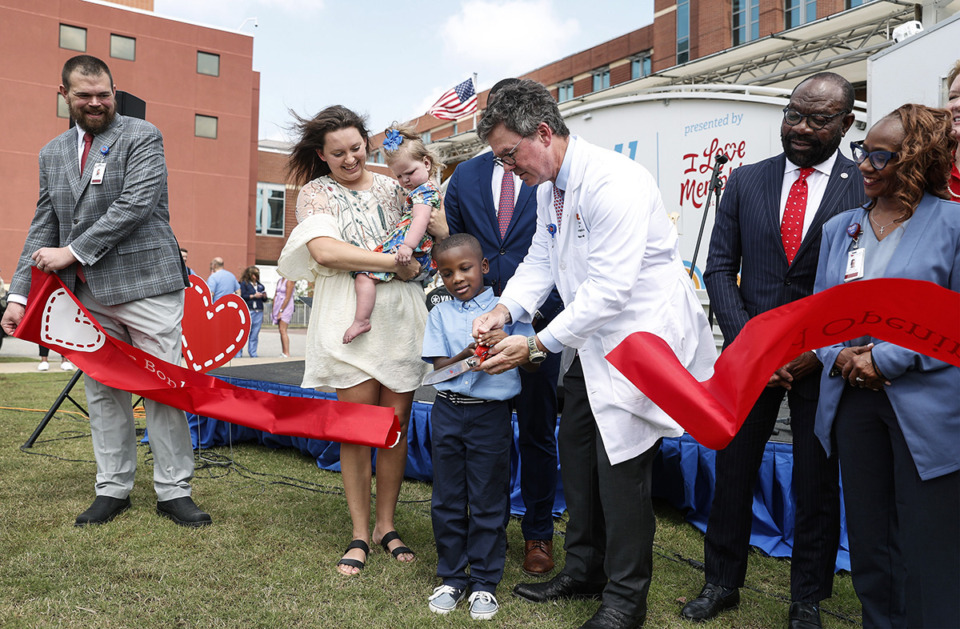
[(425, 194), (390, 352)]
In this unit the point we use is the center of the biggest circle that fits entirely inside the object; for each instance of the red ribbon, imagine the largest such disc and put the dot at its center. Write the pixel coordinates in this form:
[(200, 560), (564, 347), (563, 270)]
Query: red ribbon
[(55, 318), (917, 315)]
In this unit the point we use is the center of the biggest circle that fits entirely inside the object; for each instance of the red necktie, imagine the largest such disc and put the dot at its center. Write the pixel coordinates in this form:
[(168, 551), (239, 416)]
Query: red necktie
[(87, 143), (505, 208), (558, 204), (791, 229)]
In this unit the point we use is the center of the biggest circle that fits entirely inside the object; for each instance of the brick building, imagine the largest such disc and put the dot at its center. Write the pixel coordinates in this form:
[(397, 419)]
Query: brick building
[(200, 91)]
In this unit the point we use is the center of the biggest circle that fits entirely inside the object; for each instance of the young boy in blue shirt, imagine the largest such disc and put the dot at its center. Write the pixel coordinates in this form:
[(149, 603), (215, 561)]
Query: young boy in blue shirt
[(471, 433)]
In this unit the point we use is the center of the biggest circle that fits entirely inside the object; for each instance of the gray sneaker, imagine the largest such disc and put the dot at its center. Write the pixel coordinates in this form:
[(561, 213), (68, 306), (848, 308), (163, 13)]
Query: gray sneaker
[(444, 599), (483, 606)]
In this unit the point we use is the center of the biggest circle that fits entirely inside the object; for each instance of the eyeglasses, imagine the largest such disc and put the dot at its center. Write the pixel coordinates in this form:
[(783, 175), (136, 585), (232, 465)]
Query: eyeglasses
[(878, 159), (507, 158), (815, 121)]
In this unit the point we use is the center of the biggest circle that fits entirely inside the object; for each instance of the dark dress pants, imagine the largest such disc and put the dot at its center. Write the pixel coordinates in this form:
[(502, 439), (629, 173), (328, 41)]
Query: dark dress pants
[(816, 495), (611, 527), (471, 475), (904, 532), (537, 428)]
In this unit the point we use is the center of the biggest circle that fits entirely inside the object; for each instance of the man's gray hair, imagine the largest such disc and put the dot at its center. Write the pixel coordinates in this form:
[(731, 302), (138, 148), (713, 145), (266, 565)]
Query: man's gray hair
[(521, 107)]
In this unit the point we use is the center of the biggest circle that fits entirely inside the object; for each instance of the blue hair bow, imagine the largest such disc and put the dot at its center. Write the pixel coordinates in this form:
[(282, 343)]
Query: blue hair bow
[(393, 141)]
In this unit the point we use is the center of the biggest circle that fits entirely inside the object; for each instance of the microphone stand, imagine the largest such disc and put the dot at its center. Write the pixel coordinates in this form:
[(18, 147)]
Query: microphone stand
[(715, 185)]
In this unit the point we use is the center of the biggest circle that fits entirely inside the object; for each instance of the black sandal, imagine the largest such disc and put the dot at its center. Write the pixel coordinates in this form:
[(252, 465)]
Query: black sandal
[(399, 550), (354, 563)]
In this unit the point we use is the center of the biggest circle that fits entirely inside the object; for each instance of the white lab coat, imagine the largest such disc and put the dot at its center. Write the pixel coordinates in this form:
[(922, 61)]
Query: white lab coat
[(617, 265)]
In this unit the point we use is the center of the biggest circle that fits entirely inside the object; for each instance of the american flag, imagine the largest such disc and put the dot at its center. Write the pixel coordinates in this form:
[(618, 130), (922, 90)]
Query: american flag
[(456, 102)]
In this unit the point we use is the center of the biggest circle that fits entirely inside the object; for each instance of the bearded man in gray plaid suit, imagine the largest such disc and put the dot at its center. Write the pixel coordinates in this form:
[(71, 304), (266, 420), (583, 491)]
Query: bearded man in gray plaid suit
[(102, 224)]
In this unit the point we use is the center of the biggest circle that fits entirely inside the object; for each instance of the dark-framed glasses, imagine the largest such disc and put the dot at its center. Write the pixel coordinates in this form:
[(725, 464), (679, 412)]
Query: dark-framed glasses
[(507, 159), (815, 121), (878, 159)]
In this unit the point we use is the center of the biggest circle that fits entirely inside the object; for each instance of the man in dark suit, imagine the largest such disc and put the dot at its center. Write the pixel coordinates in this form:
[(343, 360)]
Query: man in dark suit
[(103, 226), (504, 222), (768, 229)]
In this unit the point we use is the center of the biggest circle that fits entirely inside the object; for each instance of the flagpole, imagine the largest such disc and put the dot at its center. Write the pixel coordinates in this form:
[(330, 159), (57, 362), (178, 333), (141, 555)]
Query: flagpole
[(478, 101)]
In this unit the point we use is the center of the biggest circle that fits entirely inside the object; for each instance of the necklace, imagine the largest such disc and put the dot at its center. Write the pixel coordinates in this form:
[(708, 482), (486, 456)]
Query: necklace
[(883, 227)]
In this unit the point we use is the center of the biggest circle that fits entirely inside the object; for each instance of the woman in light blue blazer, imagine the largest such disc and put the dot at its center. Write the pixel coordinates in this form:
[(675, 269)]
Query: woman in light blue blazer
[(893, 414)]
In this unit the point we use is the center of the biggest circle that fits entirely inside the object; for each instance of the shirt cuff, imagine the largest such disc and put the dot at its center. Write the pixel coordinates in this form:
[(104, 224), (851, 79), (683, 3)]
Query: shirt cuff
[(16, 299), (70, 247), (516, 310), (549, 341)]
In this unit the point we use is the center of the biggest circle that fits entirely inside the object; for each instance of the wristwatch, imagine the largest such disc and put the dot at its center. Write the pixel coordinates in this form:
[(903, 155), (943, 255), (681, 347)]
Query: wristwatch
[(537, 355)]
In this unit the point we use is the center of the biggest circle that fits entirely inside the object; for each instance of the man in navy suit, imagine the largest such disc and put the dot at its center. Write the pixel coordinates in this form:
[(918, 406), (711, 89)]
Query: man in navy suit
[(477, 203), (768, 229)]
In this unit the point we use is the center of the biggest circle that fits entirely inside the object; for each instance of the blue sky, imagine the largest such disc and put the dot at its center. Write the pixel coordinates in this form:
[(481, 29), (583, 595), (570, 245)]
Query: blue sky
[(391, 61)]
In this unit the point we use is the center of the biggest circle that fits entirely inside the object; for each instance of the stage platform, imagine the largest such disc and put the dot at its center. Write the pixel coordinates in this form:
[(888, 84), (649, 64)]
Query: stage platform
[(683, 471)]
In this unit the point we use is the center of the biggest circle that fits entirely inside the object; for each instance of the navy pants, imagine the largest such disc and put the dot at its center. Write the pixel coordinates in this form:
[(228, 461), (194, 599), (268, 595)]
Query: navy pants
[(471, 477)]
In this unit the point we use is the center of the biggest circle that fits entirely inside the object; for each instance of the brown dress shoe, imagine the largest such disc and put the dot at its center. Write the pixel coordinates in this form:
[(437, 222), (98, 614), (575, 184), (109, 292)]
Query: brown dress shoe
[(537, 556)]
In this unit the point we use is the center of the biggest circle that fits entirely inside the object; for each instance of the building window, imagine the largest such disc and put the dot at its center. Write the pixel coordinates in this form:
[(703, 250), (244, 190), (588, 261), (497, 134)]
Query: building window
[(271, 204), (746, 21), (683, 31), (565, 91), (455, 131), (601, 79), (855, 3), (205, 127), (425, 137), (208, 63), (73, 38), (63, 110), (640, 66), (797, 12), (123, 47)]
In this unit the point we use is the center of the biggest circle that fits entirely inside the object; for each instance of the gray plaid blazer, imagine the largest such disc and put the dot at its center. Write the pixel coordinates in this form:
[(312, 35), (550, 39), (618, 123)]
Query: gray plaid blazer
[(119, 228)]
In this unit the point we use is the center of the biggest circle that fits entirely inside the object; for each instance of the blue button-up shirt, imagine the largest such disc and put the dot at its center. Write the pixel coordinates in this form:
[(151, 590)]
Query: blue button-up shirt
[(449, 331)]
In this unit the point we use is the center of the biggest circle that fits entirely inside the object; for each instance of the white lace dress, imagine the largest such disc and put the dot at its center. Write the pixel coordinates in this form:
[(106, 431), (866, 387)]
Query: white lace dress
[(390, 352)]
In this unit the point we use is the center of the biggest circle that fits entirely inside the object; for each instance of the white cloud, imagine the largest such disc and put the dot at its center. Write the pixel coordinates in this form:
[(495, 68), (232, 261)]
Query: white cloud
[(498, 39)]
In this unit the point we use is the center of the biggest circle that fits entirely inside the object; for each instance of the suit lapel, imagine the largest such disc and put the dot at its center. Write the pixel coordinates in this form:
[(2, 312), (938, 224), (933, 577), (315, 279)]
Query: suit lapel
[(770, 200), (913, 236), (485, 186), (837, 186), (68, 156), (79, 181)]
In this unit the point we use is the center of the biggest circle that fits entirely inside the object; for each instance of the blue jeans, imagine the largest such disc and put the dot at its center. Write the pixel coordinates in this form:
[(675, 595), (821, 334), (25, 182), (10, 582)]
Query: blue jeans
[(256, 320)]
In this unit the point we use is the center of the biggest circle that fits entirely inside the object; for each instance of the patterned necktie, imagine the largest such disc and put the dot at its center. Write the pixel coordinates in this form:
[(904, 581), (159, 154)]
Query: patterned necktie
[(505, 207), (791, 229), (558, 204), (87, 143)]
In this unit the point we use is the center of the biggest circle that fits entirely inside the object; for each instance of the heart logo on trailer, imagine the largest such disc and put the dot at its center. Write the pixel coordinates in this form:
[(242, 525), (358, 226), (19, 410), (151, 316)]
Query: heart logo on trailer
[(213, 332), (64, 324)]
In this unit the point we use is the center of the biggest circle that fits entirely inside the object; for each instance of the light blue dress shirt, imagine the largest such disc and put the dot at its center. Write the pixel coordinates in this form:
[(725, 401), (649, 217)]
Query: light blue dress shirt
[(449, 330)]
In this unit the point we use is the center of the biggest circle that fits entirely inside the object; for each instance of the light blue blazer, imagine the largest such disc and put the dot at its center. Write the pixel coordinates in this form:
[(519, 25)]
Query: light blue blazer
[(925, 393)]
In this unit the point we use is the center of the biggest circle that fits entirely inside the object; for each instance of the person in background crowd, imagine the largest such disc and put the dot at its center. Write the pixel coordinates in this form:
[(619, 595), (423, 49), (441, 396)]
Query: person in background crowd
[(44, 365), (763, 254), (183, 255), (344, 212), (283, 305), (893, 415), (137, 296), (253, 293), (221, 281)]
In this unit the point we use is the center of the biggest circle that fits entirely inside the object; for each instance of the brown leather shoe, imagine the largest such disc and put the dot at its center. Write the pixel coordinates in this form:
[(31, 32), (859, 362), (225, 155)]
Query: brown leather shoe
[(537, 556)]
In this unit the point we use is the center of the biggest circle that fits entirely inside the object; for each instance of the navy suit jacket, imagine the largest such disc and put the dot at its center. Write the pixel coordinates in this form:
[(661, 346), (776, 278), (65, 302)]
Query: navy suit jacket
[(470, 209), (746, 240)]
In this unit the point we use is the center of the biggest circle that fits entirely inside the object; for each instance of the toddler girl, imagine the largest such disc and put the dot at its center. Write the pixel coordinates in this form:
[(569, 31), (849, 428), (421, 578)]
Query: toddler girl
[(416, 167)]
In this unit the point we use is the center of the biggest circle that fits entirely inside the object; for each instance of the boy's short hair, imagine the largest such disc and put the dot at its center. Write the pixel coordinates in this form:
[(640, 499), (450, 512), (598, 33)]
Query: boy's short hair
[(457, 240)]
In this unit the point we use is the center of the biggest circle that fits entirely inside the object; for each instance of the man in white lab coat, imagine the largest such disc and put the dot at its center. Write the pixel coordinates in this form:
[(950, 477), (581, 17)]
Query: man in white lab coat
[(604, 240)]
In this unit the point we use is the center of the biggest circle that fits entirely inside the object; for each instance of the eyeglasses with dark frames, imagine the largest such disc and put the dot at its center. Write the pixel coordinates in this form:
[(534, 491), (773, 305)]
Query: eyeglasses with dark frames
[(507, 158), (878, 159), (815, 121)]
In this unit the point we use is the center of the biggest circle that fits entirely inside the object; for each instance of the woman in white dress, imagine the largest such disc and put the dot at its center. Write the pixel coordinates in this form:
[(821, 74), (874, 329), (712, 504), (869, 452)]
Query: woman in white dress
[(344, 211)]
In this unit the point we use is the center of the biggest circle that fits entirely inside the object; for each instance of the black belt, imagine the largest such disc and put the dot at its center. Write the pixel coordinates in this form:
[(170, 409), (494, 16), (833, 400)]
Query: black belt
[(458, 399)]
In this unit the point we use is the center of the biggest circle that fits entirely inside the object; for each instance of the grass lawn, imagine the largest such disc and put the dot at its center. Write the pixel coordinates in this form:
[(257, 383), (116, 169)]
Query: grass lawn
[(280, 525)]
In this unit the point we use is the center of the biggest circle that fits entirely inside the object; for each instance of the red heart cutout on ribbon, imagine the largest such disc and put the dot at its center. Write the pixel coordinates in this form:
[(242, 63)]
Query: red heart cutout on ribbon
[(213, 333)]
